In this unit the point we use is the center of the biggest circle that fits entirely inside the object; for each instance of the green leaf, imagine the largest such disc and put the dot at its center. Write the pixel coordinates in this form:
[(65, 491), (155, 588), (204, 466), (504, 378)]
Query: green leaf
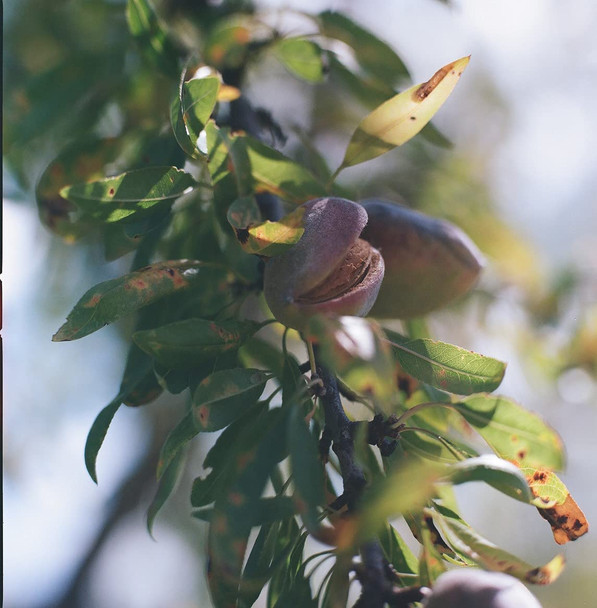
[(397, 551), (188, 343), (191, 108), (381, 501), (133, 193), (235, 511), (108, 301), (225, 395), (269, 509), (300, 57), (273, 172), (180, 435), (97, 434), (400, 118), (139, 384), (512, 432), (151, 35), (167, 484), (357, 350), (374, 55), (501, 474), (486, 554), (264, 238), (447, 367), (431, 564), (306, 468)]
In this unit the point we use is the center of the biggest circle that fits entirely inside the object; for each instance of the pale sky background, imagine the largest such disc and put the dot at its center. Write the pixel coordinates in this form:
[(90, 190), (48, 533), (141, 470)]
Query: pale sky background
[(542, 55)]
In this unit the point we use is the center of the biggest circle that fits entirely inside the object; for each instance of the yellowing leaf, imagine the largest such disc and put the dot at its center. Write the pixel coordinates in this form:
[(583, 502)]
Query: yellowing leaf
[(556, 505), (400, 118)]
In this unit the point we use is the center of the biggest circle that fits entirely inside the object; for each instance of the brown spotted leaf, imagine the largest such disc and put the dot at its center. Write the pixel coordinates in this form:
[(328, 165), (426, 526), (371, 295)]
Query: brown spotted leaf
[(226, 395), (134, 193), (513, 433), (113, 299), (264, 238), (400, 118), (556, 505), (471, 544), (191, 342)]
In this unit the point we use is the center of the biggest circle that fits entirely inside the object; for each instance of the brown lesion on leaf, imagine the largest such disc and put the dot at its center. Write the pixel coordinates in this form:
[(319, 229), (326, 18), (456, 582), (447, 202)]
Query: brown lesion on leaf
[(567, 521), (203, 414), (93, 301), (236, 499), (242, 235), (428, 87), (111, 191)]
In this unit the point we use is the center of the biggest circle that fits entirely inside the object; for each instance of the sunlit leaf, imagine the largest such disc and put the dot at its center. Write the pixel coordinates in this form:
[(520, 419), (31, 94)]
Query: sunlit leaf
[(264, 238), (431, 564), (190, 342), (301, 57), (491, 557), (133, 193), (113, 299), (400, 118), (501, 474), (166, 486), (225, 395), (556, 505), (190, 110), (512, 432), (404, 489), (446, 366), (397, 551), (97, 434), (152, 36), (358, 351), (273, 172), (374, 55)]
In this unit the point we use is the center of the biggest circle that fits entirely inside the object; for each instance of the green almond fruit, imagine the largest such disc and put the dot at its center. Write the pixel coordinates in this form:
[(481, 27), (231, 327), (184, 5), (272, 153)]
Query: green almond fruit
[(329, 271), (429, 262)]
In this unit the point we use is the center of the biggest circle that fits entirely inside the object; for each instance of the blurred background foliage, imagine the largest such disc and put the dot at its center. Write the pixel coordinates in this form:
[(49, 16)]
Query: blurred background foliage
[(74, 76)]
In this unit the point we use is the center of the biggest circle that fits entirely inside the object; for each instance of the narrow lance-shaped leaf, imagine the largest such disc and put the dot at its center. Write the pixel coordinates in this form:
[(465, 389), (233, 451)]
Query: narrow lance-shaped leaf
[(180, 435), (374, 55), (133, 193), (488, 555), (306, 467), (152, 36), (167, 485), (97, 434), (446, 366), (301, 57), (512, 432), (108, 301), (261, 447), (556, 505), (225, 395), (400, 118), (501, 474), (264, 238), (187, 343)]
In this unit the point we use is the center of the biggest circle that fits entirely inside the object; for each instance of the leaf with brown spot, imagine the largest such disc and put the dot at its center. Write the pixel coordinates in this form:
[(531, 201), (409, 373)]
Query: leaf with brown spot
[(135, 193), (446, 366), (264, 238), (512, 432), (400, 118), (108, 301), (556, 505), (224, 396), (191, 342), (478, 549)]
